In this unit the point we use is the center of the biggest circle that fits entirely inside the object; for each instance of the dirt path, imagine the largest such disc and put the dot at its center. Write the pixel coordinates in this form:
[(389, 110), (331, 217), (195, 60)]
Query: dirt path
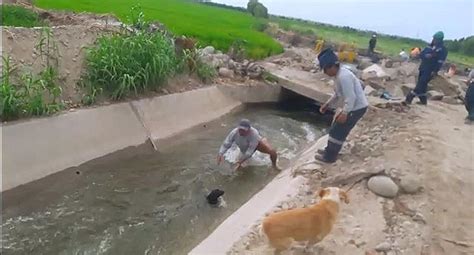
[(448, 171), (429, 147)]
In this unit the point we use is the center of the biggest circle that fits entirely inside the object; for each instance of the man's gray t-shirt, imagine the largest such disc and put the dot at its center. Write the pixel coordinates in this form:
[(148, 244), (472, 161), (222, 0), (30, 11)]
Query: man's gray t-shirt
[(349, 88), (247, 144)]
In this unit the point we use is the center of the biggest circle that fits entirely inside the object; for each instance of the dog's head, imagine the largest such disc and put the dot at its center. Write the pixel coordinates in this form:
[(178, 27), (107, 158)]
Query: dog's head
[(213, 197), (334, 194)]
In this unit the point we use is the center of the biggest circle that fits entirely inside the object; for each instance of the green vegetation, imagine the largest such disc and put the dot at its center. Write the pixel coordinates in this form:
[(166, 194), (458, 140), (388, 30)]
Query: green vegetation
[(18, 16), (210, 25), (390, 45), (463, 46), (31, 95), (132, 62)]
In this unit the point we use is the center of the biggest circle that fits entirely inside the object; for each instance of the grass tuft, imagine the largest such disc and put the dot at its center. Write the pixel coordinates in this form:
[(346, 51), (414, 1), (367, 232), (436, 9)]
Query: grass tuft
[(18, 16)]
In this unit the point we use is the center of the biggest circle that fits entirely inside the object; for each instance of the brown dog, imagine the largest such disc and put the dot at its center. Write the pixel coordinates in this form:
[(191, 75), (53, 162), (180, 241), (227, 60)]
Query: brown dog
[(304, 224)]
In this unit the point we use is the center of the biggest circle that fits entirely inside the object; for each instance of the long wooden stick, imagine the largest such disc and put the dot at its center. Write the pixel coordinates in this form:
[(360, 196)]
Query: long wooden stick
[(464, 244)]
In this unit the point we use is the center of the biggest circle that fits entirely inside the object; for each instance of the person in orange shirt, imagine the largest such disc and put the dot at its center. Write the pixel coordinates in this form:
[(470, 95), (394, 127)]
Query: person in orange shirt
[(415, 52)]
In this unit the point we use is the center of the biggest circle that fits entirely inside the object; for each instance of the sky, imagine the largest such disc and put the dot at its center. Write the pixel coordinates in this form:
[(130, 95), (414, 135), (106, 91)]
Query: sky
[(411, 18)]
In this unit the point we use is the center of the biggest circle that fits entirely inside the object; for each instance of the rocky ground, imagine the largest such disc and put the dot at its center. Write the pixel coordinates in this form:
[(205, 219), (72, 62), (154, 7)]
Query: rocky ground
[(422, 161), (414, 164)]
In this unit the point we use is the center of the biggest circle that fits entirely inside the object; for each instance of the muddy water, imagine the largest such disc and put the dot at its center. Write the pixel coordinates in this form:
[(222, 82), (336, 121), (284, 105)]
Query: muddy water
[(142, 202)]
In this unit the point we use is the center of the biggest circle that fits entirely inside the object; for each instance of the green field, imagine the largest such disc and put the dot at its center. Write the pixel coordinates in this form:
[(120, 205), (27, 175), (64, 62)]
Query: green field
[(211, 25), (220, 27), (389, 45), (19, 17)]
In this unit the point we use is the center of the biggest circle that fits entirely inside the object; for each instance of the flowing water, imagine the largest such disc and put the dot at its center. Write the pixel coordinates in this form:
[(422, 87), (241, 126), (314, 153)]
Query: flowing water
[(141, 202)]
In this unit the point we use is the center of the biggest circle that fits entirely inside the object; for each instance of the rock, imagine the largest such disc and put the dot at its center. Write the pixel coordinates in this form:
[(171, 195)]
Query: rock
[(451, 100), (208, 50), (364, 63), (410, 184), (408, 87), (371, 252), (435, 95), (408, 69), (226, 73), (368, 76), (374, 70), (395, 91), (383, 186), (418, 217), (385, 246), (388, 63), (369, 91), (232, 64)]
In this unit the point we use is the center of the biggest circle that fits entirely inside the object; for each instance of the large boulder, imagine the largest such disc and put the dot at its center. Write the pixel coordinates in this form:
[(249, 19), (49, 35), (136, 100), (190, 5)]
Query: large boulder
[(452, 100), (364, 63), (208, 50), (374, 71), (226, 73), (383, 186), (435, 95), (406, 88), (408, 69)]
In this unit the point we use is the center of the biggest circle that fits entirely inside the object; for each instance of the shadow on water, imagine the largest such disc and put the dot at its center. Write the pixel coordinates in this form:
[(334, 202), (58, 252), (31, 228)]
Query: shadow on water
[(141, 202)]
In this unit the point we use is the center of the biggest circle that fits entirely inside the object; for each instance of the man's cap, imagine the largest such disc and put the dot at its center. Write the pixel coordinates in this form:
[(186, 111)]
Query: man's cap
[(374, 35), (244, 124), (327, 58)]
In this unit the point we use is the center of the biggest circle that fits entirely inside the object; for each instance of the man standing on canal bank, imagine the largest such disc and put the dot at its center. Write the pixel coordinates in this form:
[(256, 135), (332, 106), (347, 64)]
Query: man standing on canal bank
[(249, 141), (349, 89)]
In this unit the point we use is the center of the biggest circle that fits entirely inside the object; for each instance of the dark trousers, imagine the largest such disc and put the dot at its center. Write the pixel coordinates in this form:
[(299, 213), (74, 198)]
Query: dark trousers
[(421, 88), (339, 132), (469, 101)]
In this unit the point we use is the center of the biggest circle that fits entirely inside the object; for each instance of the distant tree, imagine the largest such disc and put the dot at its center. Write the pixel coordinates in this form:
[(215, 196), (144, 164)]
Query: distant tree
[(257, 9), (260, 11), (251, 6), (463, 45)]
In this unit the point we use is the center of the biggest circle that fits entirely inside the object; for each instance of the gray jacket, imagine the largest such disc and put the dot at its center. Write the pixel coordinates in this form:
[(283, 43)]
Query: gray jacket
[(349, 89)]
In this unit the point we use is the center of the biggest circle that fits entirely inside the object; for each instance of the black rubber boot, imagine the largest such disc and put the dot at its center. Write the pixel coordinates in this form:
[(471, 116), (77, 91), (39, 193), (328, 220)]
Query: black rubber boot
[(423, 100), (330, 154), (409, 97)]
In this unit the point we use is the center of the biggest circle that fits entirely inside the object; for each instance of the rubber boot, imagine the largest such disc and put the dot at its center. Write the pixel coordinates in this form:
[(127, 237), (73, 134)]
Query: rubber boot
[(331, 152), (410, 97), (423, 100)]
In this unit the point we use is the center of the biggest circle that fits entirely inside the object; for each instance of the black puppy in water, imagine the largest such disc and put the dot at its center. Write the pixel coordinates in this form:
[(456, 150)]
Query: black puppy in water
[(213, 197)]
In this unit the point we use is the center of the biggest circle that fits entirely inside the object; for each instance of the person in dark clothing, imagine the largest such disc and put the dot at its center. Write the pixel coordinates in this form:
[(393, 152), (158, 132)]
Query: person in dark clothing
[(348, 89), (432, 59), (372, 44), (469, 99)]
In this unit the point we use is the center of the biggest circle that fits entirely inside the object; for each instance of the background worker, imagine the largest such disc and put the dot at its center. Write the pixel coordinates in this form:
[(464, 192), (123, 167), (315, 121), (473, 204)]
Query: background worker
[(469, 99), (249, 141), (432, 59), (404, 56), (349, 88), (372, 44)]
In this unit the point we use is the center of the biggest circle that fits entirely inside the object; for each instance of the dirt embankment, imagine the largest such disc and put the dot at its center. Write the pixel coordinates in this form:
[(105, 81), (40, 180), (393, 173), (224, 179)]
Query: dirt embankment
[(428, 153)]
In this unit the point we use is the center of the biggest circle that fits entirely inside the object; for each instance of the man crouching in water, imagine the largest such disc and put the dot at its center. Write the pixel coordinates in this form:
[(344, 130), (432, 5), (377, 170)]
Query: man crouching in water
[(248, 140), (348, 88)]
